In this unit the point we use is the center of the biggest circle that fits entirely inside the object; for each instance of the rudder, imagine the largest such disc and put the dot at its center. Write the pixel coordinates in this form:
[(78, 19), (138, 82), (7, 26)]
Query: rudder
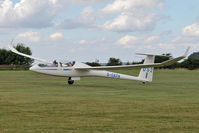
[(147, 73)]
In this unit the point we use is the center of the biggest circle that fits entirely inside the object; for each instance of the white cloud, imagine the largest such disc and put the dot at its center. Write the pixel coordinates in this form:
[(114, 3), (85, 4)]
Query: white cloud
[(134, 15), (30, 13), (128, 41), (56, 36), (191, 30), (189, 37), (190, 34), (85, 19), (88, 1), (119, 6), (152, 39), (130, 22), (30, 36), (133, 41), (93, 42), (147, 44), (185, 39), (82, 42)]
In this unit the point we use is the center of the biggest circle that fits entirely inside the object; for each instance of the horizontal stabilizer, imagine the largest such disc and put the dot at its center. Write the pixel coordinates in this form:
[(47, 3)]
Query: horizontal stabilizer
[(150, 54)]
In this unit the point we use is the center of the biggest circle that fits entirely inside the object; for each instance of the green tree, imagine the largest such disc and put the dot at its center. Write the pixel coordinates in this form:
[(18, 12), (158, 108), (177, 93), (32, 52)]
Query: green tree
[(128, 63), (194, 55), (21, 60), (165, 57), (114, 62), (138, 62), (8, 57), (159, 59), (3, 56), (190, 63), (93, 63)]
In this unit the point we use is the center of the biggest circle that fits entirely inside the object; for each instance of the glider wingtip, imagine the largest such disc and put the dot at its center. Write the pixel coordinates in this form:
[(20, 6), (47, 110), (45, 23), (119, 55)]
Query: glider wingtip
[(187, 51), (10, 45)]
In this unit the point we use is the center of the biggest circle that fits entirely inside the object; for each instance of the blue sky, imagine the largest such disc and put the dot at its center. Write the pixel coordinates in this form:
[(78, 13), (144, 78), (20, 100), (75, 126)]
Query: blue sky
[(99, 29)]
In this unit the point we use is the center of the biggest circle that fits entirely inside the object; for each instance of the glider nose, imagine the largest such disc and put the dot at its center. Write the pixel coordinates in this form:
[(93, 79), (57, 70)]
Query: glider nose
[(33, 68)]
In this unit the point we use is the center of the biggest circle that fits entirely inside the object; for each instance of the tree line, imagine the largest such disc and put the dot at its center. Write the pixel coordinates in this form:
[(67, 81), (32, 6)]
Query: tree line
[(9, 58), (191, 63)]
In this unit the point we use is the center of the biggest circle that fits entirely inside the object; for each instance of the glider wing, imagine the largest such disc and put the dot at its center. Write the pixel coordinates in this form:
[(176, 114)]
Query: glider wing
[(11, 47), (165, 63)]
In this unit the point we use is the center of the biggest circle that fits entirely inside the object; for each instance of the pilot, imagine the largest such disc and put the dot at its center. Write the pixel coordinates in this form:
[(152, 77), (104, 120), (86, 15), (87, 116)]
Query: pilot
[(54, 63), (70, 64), (73, 63)]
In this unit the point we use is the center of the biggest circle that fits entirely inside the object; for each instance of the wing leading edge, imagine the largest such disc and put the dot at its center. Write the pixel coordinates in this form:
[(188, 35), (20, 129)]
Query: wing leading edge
[(11, 47), (165, 63)]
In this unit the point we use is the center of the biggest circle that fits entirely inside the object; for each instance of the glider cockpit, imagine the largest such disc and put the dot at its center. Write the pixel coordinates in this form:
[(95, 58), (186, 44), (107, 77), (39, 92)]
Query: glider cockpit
[(58, 64)]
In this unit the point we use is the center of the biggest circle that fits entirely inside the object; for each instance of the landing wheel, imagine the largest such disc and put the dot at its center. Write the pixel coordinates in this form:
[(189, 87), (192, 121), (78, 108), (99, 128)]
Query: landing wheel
[(70, 81)]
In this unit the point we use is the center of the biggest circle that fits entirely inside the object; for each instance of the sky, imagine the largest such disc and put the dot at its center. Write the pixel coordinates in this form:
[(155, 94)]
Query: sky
[(90, 30)]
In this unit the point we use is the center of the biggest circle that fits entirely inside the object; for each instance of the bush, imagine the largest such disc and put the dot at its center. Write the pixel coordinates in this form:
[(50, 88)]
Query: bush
[(14, 67)]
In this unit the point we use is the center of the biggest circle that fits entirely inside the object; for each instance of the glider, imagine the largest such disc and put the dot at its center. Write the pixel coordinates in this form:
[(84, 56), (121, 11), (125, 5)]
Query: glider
[(74, 70)]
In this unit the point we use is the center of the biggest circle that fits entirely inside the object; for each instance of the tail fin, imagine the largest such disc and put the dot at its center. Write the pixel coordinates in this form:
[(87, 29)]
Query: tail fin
[(147, 73)]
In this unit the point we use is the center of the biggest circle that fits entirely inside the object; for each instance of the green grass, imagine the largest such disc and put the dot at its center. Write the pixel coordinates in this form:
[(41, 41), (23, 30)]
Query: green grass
[(31, 102)]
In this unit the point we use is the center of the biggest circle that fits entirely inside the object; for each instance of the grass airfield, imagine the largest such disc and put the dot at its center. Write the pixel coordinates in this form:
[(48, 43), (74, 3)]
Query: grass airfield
[(32, 102)]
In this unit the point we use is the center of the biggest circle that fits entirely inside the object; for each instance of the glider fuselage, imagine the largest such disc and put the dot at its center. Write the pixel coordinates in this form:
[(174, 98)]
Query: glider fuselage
[(71, 72)]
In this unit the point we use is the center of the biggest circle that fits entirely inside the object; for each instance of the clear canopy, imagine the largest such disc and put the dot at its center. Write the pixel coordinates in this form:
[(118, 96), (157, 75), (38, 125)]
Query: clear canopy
[(61, 64)]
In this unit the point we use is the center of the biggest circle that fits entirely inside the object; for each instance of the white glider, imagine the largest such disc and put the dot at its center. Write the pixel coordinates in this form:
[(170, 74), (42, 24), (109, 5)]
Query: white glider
[(75, 70)]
